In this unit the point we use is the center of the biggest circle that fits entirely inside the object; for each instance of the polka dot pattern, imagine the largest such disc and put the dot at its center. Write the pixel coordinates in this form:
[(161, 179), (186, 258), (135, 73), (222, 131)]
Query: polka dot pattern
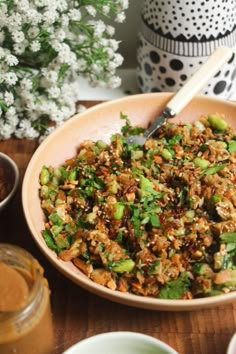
[(166, 63), (194, 18), (171, 72)]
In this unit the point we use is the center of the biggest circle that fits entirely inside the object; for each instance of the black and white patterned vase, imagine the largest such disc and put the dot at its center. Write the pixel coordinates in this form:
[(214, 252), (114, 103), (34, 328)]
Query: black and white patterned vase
[(177, 36)]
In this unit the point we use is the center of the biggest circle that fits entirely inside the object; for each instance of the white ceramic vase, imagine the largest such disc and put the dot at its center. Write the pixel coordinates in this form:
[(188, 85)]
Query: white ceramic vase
[(177, 36)]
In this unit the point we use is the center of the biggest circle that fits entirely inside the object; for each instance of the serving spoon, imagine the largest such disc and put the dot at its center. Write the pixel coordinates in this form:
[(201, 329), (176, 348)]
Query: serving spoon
[(195, 83)]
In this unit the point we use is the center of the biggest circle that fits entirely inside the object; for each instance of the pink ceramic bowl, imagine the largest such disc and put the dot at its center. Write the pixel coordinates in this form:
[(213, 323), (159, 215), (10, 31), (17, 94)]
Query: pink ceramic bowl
[(99, 122)]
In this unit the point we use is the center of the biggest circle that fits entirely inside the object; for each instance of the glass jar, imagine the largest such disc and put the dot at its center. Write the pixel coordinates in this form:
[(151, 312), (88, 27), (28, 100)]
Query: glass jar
[(25, 314)]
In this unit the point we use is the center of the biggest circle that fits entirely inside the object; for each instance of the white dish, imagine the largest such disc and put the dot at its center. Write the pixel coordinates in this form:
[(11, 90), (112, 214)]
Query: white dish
[(13, 177), (121, 343), (232, 345)]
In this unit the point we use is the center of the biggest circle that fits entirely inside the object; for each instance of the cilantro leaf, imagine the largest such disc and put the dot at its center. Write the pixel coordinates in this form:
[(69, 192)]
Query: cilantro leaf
[(175, 289), (175, 139), (55, 218), (228, 237), (232, 146), (154, 219), (50, 241), (214, 169)]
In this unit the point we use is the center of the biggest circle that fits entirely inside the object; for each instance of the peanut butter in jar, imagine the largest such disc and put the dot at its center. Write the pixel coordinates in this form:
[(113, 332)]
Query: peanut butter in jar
[(25, 313)]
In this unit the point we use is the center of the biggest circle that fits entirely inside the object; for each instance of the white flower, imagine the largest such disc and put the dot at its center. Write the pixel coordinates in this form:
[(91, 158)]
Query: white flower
[(52, 76), (10, 78), (5, 130), (124, 4), (118, 59), (26, 84), (75, 14), (11, 113), (8, 98), (113, 44), (33, 16), (64, 20), (33, 32), (50, 16), (42, 3), (3, 17), (48, 131), (99, 28), (56, 45), (2, 53), (96, 68), (120, 17), (66, 55), (51, 43), (114, 82), (54, 92), (81, 108), (61, 5), (81, 38), (14, 21), (19, 48), (110, 30), (35, 46), (12, 118), (11, 60), (91, 10), (60, 35), (82, 64), (26, 130), (4, 68), (18, 36), (22, 5), (106, 9), (57, 116)]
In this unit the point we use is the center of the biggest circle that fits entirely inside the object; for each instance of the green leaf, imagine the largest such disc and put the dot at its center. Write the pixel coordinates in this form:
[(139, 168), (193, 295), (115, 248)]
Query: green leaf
[(154, 219), (49, 241), (136, 221), (147, 189), (230, 247), (228, 237), (119, 237), (214, 169), (123, 266), (55, 229), (175, 289), (155, 268), (55, 218), (232, 146), (128, 129), (175, 139), (44, 175), (119, 210)]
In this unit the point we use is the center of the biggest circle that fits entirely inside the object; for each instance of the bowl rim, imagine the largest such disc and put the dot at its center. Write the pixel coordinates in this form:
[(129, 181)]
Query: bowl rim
[(232, 345), (122, 335), (86, 283), (15, 169)]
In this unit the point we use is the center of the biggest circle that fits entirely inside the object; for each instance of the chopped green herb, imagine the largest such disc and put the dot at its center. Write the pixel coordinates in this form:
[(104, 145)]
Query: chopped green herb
[(174, 289), (214, 169)]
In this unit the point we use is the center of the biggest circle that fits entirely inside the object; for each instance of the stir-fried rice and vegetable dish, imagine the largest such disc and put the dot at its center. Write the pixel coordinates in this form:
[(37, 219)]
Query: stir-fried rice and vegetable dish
[(157, 220)]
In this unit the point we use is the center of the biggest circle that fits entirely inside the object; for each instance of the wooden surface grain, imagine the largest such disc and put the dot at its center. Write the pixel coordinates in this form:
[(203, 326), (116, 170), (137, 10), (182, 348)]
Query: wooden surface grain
[(78, 314)]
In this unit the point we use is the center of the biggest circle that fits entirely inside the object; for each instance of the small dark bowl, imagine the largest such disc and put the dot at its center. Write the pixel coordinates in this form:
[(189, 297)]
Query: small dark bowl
[(11, 172)]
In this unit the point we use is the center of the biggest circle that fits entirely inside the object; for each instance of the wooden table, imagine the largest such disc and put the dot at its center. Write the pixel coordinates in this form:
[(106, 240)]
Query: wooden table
[(78, 314)]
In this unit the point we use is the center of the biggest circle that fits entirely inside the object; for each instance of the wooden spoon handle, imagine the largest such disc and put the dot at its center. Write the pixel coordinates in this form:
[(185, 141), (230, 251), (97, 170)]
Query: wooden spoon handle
[(198, 80)]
